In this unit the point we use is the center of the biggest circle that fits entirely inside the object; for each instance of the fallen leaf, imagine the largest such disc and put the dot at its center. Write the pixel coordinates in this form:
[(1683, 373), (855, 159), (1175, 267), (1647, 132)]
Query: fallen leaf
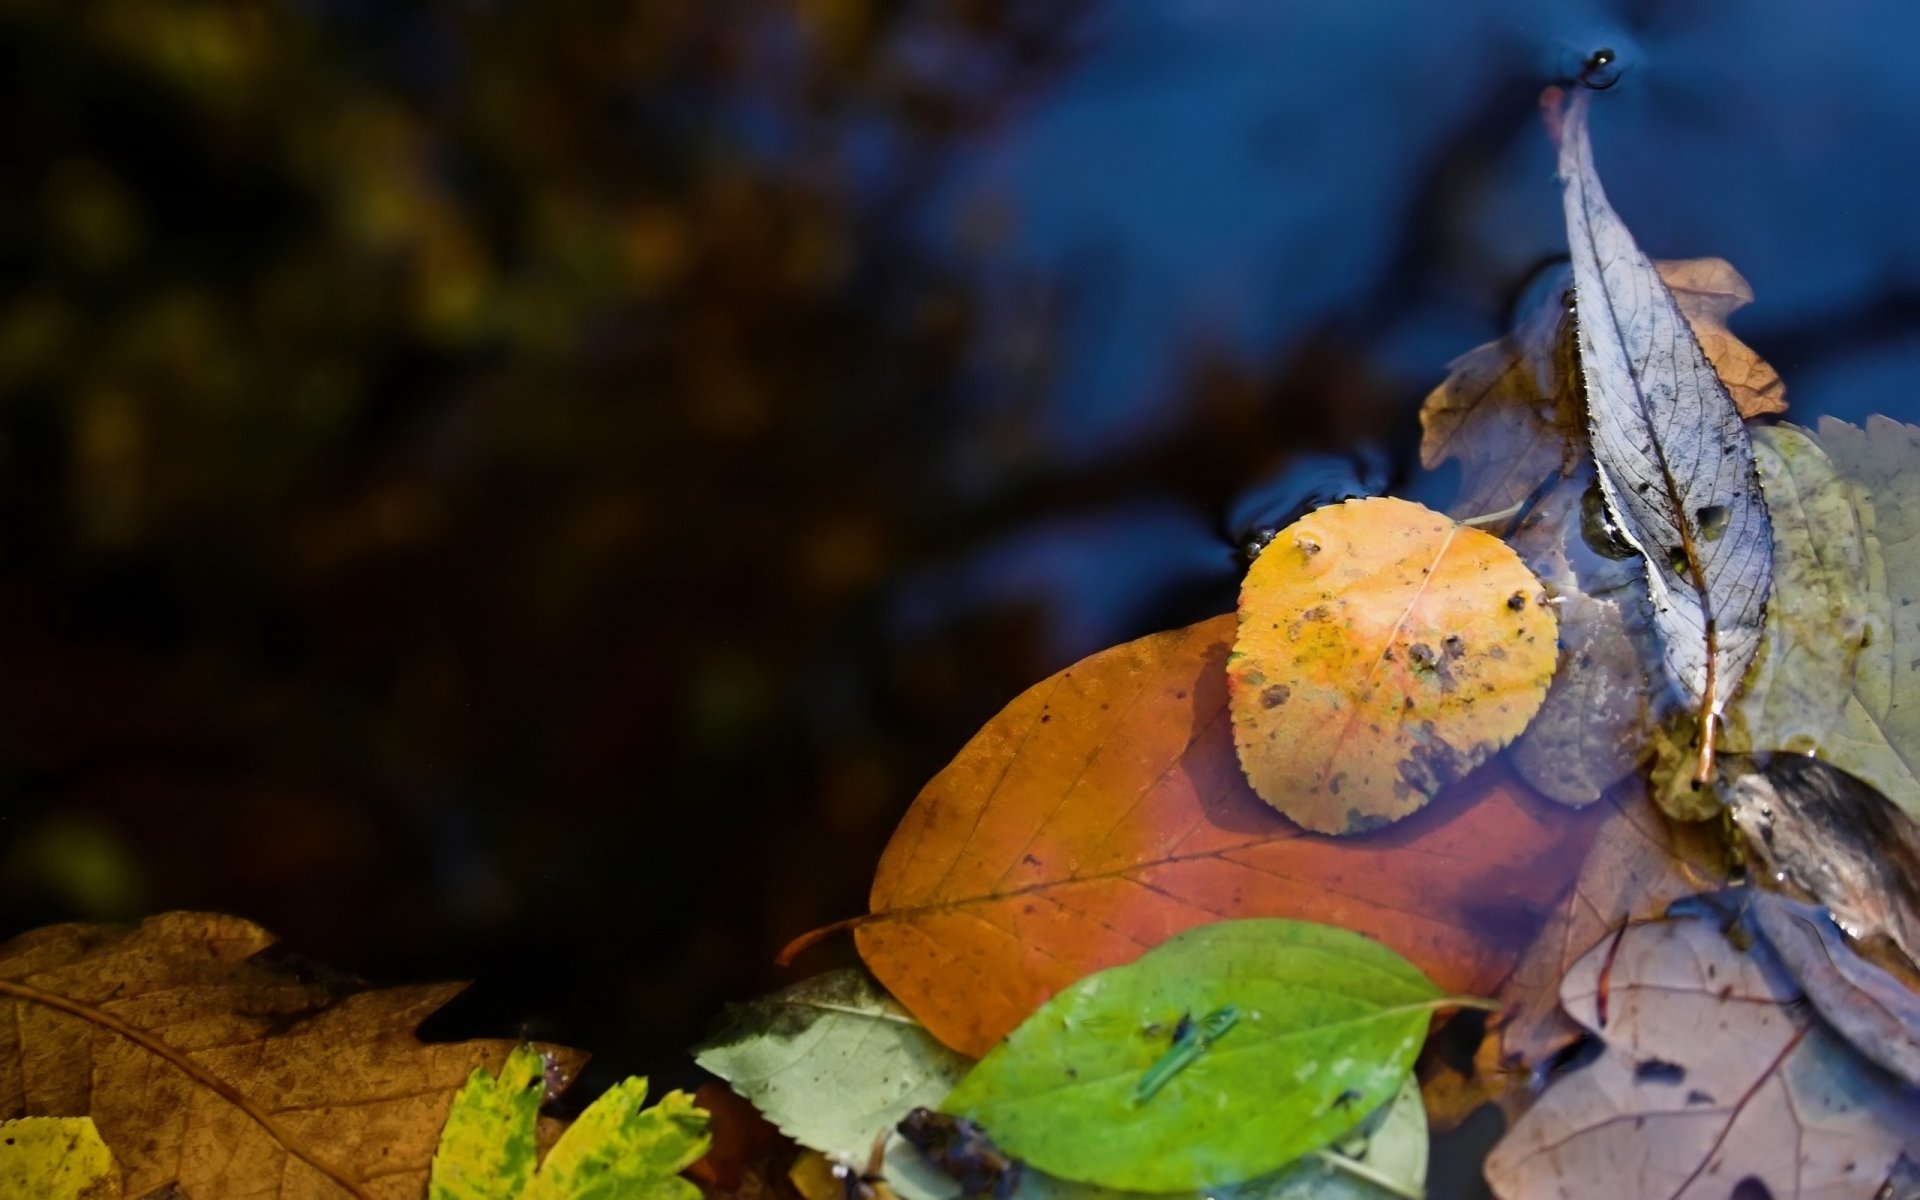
[(1103, 811), (1591, 729), (1816, 828), (56, 1158), (221, 1073), (1710, 1075), (1875, 1012), (1511, 412), (1674, 461), (1384, 651), (750, 1159), (617, 1147), (1384, 1158), (1641, 861), (1879, 733), (833, 1061), (1220, 1056)]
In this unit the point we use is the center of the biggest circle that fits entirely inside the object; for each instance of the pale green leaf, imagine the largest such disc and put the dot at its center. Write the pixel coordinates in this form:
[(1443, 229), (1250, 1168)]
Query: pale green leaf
[(1328, 1025), (56, 1158), (833, 1061), (487, 1149), (620, 1150)]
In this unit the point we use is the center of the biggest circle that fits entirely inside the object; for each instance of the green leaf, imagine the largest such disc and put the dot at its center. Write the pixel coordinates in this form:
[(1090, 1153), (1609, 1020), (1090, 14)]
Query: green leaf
[(1384, 1159), (56, 1158), (487, 1149), (833, 1061), (616, 1150), (1329, 1022)]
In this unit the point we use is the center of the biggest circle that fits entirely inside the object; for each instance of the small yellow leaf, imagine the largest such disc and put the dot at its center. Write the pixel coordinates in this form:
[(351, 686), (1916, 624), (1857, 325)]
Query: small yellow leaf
[(1384, 651), (56, 1158)]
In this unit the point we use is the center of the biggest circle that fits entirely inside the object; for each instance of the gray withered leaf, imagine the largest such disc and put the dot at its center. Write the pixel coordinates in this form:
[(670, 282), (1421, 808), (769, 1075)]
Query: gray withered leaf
[(1675, 465)]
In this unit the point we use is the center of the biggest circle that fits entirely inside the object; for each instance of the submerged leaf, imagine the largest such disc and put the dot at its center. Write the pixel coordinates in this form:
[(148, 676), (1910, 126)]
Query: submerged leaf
[(1877, 1013), (1324, 1027), (1674, 461), (1710, 1074), (56, 1158), (1383, 652), (1814, 827), (833, 1061), (1103, 811)]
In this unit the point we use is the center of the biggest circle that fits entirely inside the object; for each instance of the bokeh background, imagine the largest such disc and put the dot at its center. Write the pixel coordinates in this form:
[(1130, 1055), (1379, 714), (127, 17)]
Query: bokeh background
[(527, 491)]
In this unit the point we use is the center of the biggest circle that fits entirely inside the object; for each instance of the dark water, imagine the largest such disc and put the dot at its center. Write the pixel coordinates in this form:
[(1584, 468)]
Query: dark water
[(525, 495)]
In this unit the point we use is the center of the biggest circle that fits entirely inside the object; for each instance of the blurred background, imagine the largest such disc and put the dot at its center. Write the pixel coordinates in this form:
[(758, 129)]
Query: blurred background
[(529, 491)]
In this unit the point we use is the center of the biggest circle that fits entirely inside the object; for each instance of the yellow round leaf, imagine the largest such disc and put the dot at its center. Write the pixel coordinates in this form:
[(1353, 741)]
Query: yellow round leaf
[(1384, 651)]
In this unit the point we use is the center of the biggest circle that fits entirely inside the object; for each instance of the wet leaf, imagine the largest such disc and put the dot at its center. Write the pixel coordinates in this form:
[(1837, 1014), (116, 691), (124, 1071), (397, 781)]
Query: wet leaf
[(1282, 1036), (487, 1149), (1797, 688), (1591, 731), (1814, 827), (1674, 461), (1710, 1074), (1878, 736), (1511, 411), (1383, 652), (1103, 811), (56, 1158), (1875, 1012), (212, 1070), (1641, 861), (833, 1061)]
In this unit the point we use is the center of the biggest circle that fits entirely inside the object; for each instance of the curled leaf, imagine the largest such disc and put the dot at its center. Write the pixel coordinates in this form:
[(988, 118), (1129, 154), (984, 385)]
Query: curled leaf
[(1383, 652)]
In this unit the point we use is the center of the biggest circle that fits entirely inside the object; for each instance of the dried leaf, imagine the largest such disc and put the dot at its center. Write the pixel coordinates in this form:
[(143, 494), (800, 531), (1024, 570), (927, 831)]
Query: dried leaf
[(1511, 411), (1640, 862), (1103, 811), (1673, 458), (1384, 651), (221, 1073), (56, 1158), (1220, 1056), (1711, 1075), (833, 1061)]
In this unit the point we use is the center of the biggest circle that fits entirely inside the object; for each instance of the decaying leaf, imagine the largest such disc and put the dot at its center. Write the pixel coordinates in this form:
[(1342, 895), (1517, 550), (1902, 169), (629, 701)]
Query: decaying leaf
[(56, 1158), (1511, 412), (1384, 651), (1877, 1014), (1641, 861), (221, 1073), (1222, 1055), (833, 1061), (1710, 1075), (1812, 826), (1103, 811), (1878, 736), (617, 1147), (1674, 461)]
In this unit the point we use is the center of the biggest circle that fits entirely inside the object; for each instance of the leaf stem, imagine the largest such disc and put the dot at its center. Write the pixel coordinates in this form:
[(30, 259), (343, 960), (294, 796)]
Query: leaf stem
[(1494, 518), (198, 1073)]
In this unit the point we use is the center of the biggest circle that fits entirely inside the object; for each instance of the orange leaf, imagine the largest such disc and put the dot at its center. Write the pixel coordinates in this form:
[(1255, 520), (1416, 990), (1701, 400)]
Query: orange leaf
[(1384, 651), (1511, 411), (1103, 811)]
